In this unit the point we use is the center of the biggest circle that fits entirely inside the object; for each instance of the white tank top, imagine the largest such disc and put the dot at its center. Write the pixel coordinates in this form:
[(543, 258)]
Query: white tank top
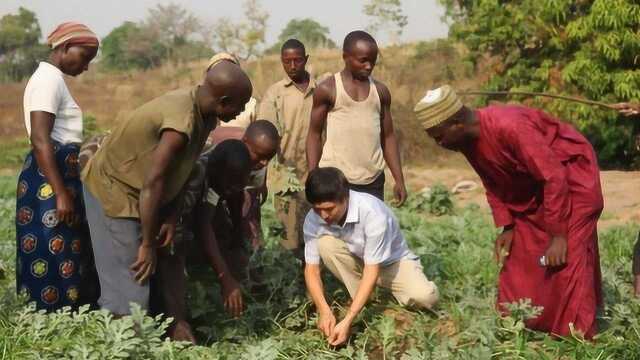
[(353, 136)]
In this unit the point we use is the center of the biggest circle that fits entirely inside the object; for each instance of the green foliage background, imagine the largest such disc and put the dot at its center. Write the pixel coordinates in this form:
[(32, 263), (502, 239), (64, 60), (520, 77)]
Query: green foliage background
[(573, 47), (279, 323), (117, 55), (134, 46), (20, 49), (310, 32)]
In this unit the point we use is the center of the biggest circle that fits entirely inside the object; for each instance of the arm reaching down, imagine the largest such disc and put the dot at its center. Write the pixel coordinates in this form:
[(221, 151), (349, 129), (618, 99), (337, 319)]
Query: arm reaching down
[(326, 319), (529, 147), (231, 292), (390, 146), (151, 200), (341, 331)]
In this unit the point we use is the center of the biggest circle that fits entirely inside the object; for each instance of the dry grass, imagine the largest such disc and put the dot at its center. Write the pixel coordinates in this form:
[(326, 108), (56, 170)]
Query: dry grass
[(407, 70)]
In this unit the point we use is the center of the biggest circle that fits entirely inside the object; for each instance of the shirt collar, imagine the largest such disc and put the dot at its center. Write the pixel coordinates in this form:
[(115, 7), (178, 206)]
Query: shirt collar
[(312, 83), (353, 213), (287, 81)]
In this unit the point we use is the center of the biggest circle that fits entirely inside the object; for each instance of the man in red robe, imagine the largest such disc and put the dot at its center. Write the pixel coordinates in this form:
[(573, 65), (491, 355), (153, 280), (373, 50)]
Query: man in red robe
[(542, 182)]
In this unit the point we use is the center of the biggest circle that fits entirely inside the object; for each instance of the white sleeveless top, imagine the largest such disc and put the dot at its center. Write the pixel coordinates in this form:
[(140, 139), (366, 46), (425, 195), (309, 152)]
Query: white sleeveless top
[(47, 91), (353, 136)]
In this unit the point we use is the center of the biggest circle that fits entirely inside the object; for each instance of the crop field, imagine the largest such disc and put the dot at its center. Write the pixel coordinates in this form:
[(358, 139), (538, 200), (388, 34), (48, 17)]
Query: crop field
[(454, 245)]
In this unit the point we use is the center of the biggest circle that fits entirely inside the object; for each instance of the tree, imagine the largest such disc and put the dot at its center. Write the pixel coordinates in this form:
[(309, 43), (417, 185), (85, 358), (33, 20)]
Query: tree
[(20, 49), (130, 46), (171, 25), (243, 39), (228, 37), (169, 32), (572, 47), (256, 26), (175, 30), (386, 15), (18, 30), (309, 31)]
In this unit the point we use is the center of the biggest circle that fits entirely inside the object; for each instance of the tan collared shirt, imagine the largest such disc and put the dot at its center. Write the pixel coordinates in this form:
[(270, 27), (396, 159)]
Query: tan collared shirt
[(245, 118), (115, 174), (289, 109)]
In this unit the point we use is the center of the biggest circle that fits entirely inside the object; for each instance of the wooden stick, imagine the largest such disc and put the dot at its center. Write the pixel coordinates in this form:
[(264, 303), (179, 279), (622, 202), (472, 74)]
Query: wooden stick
[(526, 93)]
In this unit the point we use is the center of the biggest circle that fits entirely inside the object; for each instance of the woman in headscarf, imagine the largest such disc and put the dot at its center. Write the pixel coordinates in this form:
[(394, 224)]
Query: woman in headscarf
[(50, 220)]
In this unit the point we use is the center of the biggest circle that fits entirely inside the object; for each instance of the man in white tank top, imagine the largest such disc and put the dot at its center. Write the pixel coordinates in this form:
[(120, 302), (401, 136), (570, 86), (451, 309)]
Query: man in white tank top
[(356, 111)]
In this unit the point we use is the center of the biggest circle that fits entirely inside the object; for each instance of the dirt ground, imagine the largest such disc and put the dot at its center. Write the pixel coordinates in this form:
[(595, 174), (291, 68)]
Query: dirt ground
[(621, 190)]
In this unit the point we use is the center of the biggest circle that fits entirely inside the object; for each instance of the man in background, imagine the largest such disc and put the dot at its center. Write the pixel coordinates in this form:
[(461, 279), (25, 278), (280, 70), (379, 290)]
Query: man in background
[(288, 104)]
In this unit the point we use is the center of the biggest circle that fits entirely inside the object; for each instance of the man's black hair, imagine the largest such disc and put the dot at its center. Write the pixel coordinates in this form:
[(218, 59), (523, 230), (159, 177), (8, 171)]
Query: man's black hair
[(231, 157), (353, 37), (265, 128), (294, 44), (326, 184)]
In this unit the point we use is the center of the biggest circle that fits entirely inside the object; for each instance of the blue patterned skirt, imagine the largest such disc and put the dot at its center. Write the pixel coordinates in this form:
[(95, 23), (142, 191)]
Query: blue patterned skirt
[(49, 253)]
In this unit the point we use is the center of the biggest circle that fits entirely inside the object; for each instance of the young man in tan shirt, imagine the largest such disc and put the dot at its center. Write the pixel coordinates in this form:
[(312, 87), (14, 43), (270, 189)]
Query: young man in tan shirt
[(355, 109), (287, 104)]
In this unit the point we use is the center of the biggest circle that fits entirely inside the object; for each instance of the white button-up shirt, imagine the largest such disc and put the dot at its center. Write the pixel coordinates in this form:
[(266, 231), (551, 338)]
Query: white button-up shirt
[(371, 232)]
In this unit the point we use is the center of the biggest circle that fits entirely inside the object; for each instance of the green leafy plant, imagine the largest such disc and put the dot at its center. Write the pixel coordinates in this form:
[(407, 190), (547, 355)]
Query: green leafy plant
[(279, 321), (283, 180), (436, 200), (85, 334), (570, 47)]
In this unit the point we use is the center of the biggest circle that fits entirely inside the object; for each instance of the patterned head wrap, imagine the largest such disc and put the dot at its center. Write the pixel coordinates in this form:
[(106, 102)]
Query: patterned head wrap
[(72, 33), (217, 58), (437, 106)]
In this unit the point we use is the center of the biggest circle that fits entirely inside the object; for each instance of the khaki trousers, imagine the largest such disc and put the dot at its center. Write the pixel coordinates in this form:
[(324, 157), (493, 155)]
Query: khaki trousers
[(404, 278), (291, 211)]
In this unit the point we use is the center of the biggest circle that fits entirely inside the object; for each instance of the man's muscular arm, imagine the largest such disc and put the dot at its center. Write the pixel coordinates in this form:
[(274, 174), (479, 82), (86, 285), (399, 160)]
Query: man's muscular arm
[(323, 101), (151, 199), (390, 147)]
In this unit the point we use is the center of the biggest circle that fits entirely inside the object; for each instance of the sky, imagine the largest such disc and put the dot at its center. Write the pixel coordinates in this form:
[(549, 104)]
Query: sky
[(340, 16)]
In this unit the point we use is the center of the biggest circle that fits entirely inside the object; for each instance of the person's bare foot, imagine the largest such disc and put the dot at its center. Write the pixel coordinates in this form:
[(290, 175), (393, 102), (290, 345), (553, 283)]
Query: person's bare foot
[(182, 332), (636, 285)]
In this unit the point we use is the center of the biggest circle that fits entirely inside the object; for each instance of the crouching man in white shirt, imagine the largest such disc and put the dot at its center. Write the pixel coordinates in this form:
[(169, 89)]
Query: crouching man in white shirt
[(358, 239)]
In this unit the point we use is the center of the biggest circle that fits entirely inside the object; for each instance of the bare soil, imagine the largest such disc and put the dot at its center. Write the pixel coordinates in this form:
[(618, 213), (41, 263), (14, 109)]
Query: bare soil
[(621, 190)]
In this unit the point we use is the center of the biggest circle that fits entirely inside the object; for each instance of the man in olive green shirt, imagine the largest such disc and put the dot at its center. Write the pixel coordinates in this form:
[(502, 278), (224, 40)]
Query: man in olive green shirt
[(288, 104), (140, 169)]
